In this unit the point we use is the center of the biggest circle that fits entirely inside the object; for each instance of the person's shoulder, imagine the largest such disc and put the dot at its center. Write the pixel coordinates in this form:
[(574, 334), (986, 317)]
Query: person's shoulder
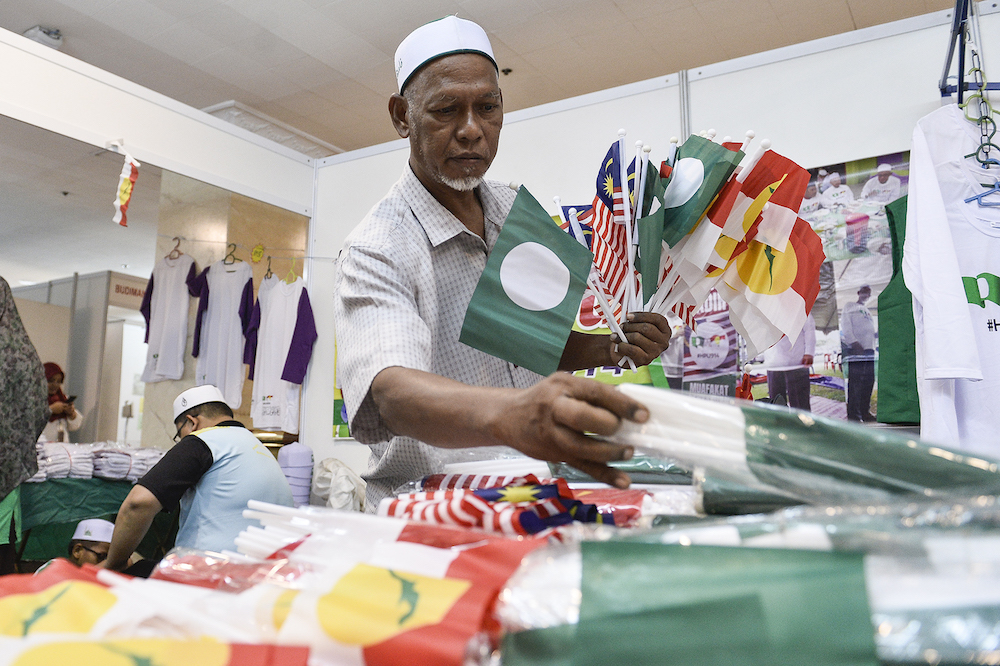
[(389, 221), (497, 198)]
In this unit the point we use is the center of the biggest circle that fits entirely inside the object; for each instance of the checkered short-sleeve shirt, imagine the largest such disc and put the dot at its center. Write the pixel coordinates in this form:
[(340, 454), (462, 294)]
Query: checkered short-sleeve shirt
[(404, 281)]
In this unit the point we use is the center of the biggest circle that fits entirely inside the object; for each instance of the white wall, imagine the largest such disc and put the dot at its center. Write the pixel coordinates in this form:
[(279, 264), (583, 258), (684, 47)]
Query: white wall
[(825, 102), (59, 93)]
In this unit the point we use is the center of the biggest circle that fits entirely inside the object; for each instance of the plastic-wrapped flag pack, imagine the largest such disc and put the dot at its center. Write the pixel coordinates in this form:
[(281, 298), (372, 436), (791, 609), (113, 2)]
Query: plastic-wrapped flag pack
[(912, 582)]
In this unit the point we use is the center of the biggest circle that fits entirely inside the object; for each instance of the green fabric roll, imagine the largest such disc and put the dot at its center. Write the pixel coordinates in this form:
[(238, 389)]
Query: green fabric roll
[(897, 368)]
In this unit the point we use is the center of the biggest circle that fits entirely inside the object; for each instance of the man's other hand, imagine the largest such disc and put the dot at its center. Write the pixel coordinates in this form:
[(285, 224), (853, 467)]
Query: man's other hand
[(647, 335)]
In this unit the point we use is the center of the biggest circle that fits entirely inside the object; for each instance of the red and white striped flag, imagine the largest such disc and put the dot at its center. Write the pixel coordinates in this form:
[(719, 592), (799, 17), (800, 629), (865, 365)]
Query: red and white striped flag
[(611, 244), (126, 182)]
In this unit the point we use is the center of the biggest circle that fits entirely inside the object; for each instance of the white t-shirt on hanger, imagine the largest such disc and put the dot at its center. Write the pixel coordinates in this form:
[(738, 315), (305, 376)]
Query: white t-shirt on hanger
[(165, 308), (226, 303), (951, 260)]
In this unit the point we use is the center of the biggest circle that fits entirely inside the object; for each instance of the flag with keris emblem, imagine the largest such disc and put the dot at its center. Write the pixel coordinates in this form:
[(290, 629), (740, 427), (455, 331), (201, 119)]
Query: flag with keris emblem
[(126, 183), (770, 293), (527, 299)]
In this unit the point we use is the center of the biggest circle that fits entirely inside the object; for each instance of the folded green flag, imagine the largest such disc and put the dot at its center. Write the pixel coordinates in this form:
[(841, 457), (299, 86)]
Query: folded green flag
[(645, 603), (765, 606), (527, 298), (700, 170)]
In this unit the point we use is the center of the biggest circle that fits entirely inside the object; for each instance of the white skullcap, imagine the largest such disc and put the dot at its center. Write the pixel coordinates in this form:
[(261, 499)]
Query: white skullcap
[(193, 397), (884, 168), (835, 174), (94, 529), (436, 39)]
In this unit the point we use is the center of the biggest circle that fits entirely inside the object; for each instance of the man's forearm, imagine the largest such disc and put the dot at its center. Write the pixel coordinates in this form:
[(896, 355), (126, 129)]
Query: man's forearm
[(435, 409), (133, 521)]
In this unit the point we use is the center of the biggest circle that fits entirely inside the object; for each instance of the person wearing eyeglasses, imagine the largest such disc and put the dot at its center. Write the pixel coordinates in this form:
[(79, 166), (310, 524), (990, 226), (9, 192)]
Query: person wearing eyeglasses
[(89, 544), (91, 541), (215, 468)]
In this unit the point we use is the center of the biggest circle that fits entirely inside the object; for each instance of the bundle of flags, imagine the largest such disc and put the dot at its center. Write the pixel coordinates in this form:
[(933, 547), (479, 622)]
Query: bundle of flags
[(524, 507), (126, 182), (748, 243), (658, 240), (809, 459)]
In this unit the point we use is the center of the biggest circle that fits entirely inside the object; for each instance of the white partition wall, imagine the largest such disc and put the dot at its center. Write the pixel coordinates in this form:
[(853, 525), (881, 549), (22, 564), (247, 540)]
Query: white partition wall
[(839, 98)]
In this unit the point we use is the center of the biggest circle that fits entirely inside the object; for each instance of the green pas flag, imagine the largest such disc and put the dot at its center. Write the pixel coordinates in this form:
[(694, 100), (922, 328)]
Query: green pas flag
[(703, 605), (651, 232), (527, 298), (700, 170), (800, 456)]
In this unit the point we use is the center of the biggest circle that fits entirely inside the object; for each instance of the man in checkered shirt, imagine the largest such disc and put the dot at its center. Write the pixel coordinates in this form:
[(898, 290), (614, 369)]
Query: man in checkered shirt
[(416, 395)]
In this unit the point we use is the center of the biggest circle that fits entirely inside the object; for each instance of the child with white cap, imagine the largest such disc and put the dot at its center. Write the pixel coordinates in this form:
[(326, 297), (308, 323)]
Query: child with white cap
[(91, 541)]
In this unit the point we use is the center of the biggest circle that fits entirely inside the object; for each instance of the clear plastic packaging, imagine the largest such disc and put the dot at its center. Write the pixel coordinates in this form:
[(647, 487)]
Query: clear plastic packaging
[(931, 570), (228, 573), (796, 457)]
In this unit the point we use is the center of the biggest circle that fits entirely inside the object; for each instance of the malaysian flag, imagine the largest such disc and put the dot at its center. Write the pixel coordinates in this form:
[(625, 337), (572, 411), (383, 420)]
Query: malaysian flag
[(611, 244)]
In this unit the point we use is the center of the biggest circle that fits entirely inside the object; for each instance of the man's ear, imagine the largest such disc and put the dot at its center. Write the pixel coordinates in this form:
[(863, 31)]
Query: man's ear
[(77, 552), (399, 112)]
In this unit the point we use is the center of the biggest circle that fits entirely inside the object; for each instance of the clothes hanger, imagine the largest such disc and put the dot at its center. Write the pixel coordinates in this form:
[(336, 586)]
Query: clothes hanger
[(980, 198), (176, 252), (291, 277), (268, 273), (231, 257)]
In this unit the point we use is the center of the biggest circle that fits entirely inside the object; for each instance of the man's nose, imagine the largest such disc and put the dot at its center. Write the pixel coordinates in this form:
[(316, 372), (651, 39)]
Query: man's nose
[(470, 126)]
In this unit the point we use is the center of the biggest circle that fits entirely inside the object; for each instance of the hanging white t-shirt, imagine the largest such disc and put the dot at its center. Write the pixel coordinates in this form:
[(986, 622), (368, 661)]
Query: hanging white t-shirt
[(886, 192), (279, 345), (165, 308), (225, 304), (951, 264)]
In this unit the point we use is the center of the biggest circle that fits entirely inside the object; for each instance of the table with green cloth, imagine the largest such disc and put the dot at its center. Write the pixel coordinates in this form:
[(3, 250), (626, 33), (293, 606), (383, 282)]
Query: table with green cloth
[(50, 511)]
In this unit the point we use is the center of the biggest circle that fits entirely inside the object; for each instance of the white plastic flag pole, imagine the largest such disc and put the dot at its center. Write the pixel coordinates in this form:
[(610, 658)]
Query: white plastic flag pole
[(765, 145), (574, 224), (598, 290), (672, 151), (747, 140)]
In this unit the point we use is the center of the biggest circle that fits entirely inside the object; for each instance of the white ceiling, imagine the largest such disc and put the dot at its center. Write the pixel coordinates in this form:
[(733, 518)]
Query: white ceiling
[(325, 68)]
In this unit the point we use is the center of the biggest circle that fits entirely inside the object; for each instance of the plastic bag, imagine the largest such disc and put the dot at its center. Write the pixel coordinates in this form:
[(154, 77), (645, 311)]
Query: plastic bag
[(338, 486)]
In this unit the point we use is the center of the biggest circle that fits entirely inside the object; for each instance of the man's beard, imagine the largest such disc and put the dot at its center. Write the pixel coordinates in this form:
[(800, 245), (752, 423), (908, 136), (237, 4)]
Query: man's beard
[(461, 184)]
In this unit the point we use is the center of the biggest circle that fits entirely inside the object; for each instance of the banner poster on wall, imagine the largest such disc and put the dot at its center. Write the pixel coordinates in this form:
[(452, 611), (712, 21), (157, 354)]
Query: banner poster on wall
[(711, 350), (845, 205)]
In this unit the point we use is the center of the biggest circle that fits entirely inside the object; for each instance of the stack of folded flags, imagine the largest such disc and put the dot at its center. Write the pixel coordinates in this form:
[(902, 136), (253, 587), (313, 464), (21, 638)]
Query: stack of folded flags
[(59, 460), (106, 460)]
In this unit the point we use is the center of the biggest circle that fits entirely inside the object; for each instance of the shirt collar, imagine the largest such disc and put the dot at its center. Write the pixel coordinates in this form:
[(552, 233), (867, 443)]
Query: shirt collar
[(440, 224)]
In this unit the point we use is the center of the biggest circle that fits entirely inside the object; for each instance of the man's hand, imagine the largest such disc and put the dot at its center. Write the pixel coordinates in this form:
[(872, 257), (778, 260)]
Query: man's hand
[(548, 422), (807, 360), (647, 335), (59, 408)]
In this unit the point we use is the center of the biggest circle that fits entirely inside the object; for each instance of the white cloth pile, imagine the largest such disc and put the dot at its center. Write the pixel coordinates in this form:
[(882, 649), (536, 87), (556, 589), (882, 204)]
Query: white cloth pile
[(117, 463), (59, 460)]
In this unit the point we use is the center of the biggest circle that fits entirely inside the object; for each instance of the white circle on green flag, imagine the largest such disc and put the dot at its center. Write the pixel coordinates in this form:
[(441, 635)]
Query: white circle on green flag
[(534, 277), (686, 179)]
